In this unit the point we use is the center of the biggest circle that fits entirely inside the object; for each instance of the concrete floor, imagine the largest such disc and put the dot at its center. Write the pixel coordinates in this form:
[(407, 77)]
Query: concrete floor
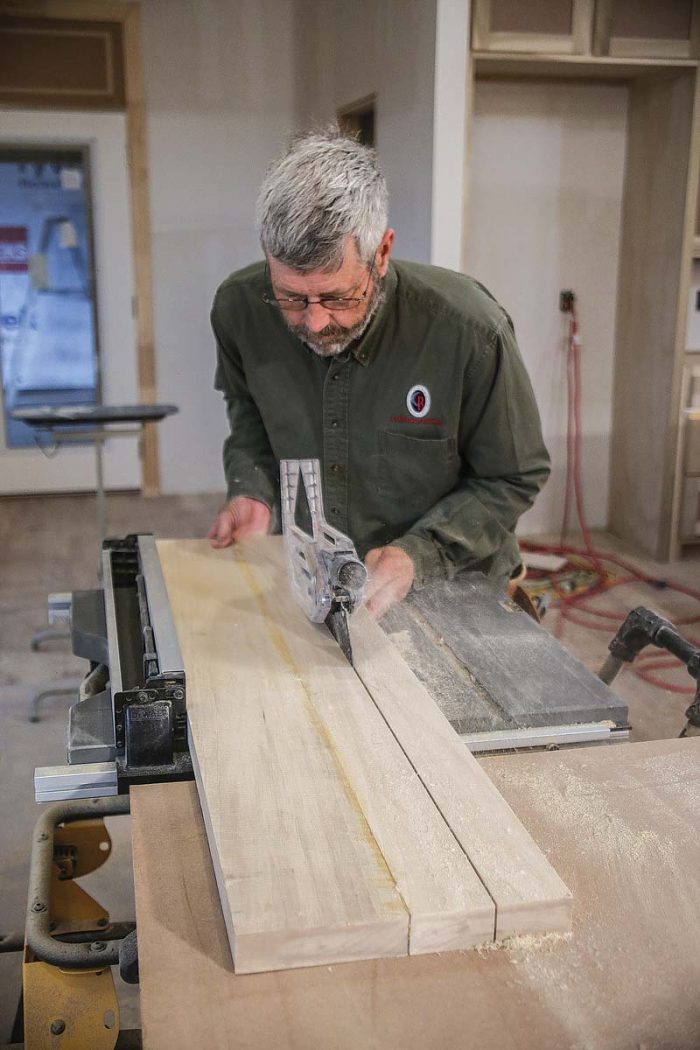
[(50, 544)]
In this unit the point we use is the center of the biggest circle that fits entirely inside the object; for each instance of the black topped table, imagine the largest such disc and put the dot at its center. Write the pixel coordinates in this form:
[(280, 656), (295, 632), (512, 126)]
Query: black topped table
[(96, 424)]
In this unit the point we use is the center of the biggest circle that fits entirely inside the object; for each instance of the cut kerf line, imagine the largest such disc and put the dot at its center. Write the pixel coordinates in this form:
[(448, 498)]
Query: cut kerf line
[(432, 798)]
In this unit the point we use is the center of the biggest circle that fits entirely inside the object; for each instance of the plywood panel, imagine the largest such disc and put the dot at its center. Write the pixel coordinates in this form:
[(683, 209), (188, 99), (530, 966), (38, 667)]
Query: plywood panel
[(325, 836), (619, 822)]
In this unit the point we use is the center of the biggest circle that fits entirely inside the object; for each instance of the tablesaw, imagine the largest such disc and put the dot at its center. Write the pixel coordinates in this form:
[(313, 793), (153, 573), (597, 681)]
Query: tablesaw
[(500, 678)]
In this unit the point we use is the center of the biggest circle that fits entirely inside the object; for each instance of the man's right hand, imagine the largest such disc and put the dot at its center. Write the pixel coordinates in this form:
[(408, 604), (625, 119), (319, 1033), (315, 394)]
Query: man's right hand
[(237, 520)]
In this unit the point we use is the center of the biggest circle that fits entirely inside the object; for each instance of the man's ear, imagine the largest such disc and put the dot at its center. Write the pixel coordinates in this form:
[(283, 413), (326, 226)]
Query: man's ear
[(384, 252)]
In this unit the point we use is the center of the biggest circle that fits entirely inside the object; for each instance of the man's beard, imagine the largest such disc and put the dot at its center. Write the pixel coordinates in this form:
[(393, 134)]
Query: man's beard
[(333, 339)]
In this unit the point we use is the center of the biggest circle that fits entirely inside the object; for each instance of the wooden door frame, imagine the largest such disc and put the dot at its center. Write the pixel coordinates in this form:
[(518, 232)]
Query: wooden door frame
[(128, 14)]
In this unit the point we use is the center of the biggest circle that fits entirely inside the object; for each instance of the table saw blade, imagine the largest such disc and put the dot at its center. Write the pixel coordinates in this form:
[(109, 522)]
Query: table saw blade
[(337, 623)]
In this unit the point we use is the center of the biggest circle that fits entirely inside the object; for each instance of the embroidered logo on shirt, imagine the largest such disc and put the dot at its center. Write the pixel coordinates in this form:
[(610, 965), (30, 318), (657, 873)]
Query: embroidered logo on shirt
[(418, 401)]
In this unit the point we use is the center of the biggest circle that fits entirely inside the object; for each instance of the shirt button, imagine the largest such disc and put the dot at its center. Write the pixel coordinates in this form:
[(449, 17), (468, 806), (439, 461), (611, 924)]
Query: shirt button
[(334, 422), (335, 376), (336, 468)]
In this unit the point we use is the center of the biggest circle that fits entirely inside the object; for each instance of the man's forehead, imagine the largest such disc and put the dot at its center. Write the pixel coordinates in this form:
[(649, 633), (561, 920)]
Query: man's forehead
[(327, 280)]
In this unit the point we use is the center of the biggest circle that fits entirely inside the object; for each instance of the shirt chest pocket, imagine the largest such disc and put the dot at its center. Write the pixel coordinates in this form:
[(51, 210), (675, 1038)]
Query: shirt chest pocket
[(415, 472)]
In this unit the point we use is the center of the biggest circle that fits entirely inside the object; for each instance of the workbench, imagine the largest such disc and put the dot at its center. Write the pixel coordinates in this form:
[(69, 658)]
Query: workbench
[(620, 824)]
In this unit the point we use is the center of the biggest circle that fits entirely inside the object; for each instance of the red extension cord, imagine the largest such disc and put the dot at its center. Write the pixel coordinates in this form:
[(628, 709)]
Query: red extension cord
[(577, 608)]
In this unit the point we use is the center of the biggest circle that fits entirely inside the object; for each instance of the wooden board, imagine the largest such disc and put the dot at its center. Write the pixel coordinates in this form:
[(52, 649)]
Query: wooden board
[(532, 679), (620, 823), (300, 875), (448, 905), (326, 844), (489, 666), (529, 895), (318, 793)]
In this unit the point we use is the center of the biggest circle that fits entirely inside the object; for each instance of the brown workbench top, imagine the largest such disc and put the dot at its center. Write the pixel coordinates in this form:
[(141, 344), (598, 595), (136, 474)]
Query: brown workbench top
[(621, 825)]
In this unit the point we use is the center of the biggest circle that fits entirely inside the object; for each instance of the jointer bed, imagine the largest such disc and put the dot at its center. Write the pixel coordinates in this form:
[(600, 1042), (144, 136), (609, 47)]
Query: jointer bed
[(620, 825)]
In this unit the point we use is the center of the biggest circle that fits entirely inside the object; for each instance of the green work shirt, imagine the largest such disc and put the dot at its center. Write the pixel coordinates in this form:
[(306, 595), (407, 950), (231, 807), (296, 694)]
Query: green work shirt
[(427, 429)]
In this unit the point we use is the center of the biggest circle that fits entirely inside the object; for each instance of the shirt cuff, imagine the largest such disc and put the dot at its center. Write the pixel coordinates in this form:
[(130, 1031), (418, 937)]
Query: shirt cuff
[(263, 490), (427, 563)]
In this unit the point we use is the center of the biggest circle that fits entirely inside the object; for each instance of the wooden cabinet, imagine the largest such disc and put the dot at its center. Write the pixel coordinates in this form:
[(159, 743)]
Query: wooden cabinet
[(616, 28), (646, 28), (651, 47), (561, 27)]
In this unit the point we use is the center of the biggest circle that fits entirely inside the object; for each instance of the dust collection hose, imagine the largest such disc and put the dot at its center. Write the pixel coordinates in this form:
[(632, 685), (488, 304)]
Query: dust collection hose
[(643, 627)]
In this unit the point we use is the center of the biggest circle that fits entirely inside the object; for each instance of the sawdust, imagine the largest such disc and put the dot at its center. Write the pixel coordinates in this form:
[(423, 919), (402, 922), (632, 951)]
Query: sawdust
[(600, 824), (526, 943), (621, 833)]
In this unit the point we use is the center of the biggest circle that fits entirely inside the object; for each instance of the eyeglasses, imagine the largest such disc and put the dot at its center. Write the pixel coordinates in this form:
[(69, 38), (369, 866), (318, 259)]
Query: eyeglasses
[(299, 303)]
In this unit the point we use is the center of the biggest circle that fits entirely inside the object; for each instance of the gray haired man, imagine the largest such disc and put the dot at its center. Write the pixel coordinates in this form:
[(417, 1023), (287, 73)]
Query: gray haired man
[(404, 380)]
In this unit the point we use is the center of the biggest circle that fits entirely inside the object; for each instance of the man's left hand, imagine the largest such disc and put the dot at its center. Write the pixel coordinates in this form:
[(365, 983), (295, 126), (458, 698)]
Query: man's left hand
[(391, 573)]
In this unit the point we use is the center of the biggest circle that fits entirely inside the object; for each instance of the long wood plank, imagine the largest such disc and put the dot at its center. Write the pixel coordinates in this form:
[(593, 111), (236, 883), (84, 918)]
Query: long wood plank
[(447, 902), (530, 897), (296, 737), (300, 876)]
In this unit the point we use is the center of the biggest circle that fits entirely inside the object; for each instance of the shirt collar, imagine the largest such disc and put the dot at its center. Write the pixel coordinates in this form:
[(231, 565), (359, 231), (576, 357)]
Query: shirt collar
[(368, 344)]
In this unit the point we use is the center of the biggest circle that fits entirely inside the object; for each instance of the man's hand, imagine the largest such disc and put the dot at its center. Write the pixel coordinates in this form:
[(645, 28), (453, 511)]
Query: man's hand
[(391, 573), (237, 520)]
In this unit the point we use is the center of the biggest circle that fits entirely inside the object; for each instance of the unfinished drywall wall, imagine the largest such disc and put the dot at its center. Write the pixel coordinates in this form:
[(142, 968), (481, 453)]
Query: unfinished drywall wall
[(220, 103), (384, 47), (544, 214)]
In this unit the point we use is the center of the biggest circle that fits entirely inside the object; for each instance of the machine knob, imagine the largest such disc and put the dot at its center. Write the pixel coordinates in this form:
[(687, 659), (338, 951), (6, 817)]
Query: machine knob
[(352, 575)]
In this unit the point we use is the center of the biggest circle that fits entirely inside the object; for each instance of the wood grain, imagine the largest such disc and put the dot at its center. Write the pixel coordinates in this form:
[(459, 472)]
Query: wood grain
[(620, 824), (514, 660), (300, 875), (529, 895), (323, 837), (447, 902)]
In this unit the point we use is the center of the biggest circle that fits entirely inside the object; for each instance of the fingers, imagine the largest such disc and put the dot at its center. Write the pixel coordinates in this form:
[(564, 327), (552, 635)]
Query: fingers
[(241, 518), (381, 602), (221, 532), (391, 573)]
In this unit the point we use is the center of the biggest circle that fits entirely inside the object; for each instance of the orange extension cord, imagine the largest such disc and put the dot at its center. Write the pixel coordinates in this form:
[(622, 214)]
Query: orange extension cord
[(577, 608)]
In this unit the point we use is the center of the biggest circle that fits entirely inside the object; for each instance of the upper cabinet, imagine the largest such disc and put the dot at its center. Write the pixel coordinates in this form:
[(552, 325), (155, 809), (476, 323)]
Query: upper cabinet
[(646, 28), (551, 27), (667, 29)]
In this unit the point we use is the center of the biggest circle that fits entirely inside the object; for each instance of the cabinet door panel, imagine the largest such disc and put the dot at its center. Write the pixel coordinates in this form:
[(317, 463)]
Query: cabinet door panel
[(540, 27), (647, 28)]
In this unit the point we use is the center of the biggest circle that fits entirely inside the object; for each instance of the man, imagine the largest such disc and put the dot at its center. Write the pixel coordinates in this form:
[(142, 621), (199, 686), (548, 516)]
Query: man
[(404, 380)]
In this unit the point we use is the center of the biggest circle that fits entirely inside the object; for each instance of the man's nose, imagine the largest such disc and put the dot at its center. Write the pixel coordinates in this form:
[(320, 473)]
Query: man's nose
[(316, 317)]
